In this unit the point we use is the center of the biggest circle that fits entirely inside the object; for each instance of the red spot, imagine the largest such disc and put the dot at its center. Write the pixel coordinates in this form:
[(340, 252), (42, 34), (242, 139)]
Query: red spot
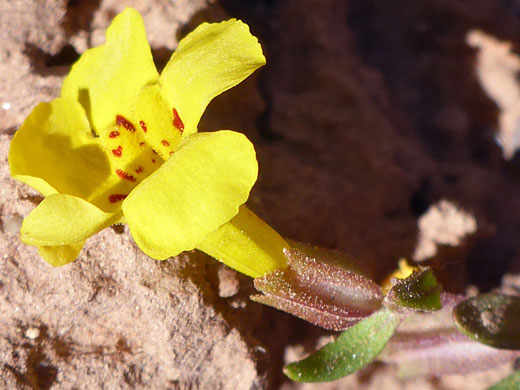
[(171, 152), (114, 198), (143, 126), (122, 121), (165, 143), (117, 152), (139, 170), (114, 134), (124, 175), (153, 160), (177, 122), (141, 143)]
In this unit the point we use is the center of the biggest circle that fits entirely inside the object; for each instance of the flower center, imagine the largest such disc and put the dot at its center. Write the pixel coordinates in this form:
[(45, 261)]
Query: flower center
[(135, 151)]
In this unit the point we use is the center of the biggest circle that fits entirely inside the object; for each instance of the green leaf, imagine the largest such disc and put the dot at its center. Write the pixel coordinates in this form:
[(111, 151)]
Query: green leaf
[(419, 291), (510, 383), (491, 319), (352, 350)]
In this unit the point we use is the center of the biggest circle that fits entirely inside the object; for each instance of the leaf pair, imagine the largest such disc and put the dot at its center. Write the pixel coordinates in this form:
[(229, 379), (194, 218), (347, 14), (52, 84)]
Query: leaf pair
[(431, 344), (412, 326)]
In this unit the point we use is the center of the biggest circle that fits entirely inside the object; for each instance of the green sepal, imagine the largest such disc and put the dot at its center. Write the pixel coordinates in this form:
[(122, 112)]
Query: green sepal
[(419, 291)]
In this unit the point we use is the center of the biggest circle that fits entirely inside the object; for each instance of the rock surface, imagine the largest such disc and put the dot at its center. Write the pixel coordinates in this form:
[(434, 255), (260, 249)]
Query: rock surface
[(114, 318), (367, 114)]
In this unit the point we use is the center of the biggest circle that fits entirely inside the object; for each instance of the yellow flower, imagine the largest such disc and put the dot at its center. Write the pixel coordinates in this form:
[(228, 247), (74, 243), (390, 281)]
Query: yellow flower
[(403, 271), (121, 145)]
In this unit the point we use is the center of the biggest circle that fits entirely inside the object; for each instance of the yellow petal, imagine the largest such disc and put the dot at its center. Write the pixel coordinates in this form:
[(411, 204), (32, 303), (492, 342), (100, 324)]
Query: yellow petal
[(130, 159), (63, 220), (106, 79), (247, 244), (209, 61), (54, 151), (156, 121), (60, 255), (193, 193)]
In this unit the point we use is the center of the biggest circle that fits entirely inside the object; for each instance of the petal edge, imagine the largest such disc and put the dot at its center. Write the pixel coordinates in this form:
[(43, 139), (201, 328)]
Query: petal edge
[(58, 256), (64, 220), (193, 193), (210, 60), (107, 78)]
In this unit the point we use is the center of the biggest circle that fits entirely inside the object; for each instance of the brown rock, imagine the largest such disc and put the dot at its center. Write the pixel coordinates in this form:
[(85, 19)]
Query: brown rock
[(114, 317)]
